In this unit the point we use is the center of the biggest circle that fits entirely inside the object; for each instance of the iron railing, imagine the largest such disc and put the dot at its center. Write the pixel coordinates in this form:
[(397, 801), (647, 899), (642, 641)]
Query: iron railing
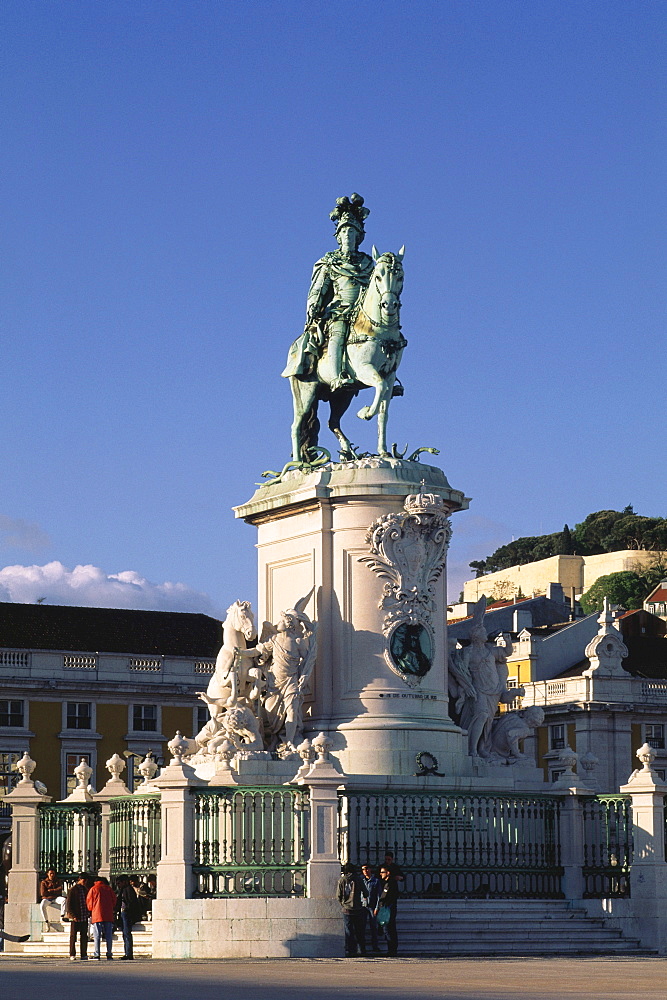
[(135, 834), (251, 841), (457, 846), (70, 838), (607, 846)]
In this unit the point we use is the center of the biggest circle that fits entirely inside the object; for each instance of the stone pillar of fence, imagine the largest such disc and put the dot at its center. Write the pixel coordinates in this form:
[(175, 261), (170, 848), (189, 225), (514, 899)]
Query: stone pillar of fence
[(23, 883), (648, 874), (323, 781), (571, 839), (175, 878), (114, 787)]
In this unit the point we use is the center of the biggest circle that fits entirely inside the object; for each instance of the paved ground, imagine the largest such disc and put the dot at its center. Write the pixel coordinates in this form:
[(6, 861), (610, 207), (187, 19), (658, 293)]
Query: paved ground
[(336, 979)]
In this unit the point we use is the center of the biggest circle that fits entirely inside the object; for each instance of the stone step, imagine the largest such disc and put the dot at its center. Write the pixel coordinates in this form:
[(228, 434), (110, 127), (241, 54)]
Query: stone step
[(506, 927), (57, 943), (523, 948), (600, 935)]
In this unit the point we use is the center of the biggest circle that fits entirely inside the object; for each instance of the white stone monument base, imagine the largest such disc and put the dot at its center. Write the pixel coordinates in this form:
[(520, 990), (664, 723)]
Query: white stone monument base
[(392, 751), (247, 928)]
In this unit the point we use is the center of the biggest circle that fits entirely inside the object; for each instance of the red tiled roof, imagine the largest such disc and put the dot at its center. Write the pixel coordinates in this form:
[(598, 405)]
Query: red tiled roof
[(659, 594)]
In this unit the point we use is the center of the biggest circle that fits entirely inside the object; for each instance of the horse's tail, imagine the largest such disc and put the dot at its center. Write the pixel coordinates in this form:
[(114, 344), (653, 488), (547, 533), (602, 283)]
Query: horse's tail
[(310, 429)]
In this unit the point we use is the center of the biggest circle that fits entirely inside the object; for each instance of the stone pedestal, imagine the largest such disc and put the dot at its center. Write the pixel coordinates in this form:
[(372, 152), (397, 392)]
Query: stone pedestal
[(311, 537), (175, 878), (648, 874), (23, 882)]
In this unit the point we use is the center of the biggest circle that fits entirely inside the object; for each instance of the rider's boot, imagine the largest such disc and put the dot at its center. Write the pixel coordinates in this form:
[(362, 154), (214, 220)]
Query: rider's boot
[(335, 349)]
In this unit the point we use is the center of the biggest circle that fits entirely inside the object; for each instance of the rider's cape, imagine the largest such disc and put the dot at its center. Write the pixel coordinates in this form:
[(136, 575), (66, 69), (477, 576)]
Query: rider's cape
[(303, 354)]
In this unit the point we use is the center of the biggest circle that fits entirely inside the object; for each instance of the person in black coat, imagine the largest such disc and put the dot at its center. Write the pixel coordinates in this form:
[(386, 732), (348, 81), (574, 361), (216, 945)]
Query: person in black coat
[(128, 912), (389, 898), (352, 900)]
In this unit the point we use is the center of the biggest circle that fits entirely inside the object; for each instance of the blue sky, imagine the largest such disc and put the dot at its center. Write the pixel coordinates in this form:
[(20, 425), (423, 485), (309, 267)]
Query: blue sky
[(167, 173)]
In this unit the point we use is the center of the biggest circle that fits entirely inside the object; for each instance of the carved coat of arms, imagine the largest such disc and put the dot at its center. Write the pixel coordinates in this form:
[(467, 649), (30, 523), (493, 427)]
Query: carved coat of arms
[(409, 551)]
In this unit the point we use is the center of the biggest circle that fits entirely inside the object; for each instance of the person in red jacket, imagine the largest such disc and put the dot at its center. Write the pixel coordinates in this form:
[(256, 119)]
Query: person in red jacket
[(101, 901)]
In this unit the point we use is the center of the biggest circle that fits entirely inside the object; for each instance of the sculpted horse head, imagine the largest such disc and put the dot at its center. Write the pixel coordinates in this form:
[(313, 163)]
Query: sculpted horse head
[(240, 619)]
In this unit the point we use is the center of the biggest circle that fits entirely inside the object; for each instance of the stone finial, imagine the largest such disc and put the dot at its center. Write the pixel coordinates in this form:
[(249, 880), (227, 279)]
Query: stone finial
[(569, 781), (224, 773), (115, 766), (645, 778), (646, 755), (606, 650), (25, 766), (322, 744), (178, 746), (569, 759), (226, 751), (588, 761), (82, 772), (308, 756), (147, 769), (306, 752)]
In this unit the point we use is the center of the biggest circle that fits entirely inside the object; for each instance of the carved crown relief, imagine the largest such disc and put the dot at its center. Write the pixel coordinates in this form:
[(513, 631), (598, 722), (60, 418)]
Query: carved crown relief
[(409, 551)]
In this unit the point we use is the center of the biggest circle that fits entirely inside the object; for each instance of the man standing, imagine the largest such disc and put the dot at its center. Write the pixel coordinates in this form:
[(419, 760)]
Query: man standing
[(371, 886), (339, 280), (76, 912), (101, 900), (128, 909), (51, 893), (350, 897), (387, 901)]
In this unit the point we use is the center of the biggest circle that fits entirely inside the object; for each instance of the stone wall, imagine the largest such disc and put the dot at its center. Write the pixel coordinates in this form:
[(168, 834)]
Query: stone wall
[(576, 574), (247, 928)]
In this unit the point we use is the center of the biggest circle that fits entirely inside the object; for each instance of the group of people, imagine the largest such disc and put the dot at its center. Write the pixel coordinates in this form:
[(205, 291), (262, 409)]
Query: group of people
[(91, 903), (369, 901)]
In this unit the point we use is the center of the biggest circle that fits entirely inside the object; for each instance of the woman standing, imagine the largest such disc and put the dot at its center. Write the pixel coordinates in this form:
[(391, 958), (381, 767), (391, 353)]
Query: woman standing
[(388, 899)]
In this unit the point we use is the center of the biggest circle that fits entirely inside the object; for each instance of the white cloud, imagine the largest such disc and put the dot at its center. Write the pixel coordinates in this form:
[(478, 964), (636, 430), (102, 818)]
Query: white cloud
[(15, 533), (91, 587)]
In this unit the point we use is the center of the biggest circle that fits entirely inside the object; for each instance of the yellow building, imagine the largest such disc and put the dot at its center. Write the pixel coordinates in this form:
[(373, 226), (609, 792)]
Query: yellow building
[(91, 682)]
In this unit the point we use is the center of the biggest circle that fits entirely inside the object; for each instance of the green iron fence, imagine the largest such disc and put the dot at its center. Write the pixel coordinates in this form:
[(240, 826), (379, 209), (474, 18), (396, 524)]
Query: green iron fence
[(607, 846), (251, 841), (457, 846), (70, 838), (135, 834)]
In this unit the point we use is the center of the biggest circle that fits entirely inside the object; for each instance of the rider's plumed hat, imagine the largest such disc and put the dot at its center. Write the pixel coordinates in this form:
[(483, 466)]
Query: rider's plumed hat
[(350, 212)]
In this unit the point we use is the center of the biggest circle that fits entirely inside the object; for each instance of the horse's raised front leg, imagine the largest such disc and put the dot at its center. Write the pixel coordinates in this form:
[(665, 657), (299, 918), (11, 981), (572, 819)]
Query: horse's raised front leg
[(368, 375)]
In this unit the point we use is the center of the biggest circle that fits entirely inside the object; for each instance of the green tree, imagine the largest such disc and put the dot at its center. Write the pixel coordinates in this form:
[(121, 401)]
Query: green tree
[(479, 567), (626, 588), (566, 545), (602, 531)]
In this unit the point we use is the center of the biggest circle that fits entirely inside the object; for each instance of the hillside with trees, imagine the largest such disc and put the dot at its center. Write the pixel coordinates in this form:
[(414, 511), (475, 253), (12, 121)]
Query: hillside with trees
[(603, 531)]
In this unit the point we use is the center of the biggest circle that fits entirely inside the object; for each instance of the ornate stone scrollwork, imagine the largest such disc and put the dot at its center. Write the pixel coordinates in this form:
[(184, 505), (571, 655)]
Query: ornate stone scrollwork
[(409, 550)]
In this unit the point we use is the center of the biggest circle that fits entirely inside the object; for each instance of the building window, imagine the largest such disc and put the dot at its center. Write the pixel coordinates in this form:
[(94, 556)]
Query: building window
[(73, 760), (202, 716), (11, 714), (8, 776), (557, 737), (655, 735), (555, 775), (79, 715), (144, 718)]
